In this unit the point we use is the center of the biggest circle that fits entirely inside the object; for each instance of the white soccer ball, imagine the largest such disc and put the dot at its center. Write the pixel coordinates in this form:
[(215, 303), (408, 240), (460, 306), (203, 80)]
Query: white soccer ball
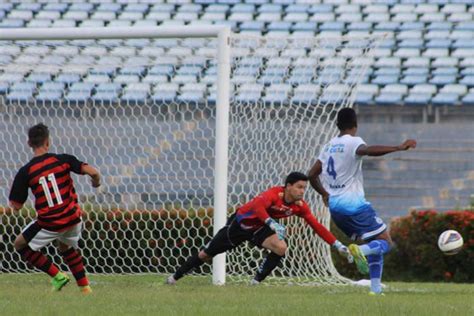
[(450, 242)]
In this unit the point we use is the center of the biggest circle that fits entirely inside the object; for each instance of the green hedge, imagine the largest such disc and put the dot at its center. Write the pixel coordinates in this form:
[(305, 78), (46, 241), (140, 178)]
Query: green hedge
[(416, 256)]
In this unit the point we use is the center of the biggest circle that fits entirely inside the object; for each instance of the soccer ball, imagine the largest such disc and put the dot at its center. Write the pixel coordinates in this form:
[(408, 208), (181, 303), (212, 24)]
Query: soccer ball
[(450, 242)]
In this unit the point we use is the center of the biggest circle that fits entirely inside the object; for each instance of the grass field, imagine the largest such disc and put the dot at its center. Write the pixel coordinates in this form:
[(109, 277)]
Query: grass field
[(23, 294)]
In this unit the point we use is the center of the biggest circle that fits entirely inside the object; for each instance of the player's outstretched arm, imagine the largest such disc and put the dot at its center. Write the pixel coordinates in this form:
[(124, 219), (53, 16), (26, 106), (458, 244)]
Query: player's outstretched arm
[(379, 150), (326, 235), (93, 173), (315, 182)]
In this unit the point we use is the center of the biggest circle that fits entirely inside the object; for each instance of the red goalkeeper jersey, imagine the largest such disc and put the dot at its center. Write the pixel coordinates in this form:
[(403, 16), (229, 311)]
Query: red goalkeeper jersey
[(270, 203)]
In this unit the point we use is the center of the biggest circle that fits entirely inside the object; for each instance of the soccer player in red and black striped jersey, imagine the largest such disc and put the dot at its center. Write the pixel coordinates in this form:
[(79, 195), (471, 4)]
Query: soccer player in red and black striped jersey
[(58, 213), (256, 222)]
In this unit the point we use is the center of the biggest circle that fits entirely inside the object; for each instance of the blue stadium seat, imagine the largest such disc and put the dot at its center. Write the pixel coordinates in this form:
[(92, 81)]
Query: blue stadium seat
[(11, 77), (387, 26), (38, 77), (82, 87), (414, 79), (445, 99), (385, 79), (243, 7), (304, 26), (463, 43), (270, 7), (77, 96), (19, 96), (411, 43), (39, 23), (387, 71), (443, 80), (111, 7), (332, 26), (416, 71), (438, 43), (4, 86), (418, 99), (468, 99), (279, 26), (321, 8), (253, 25), (359, 26), (389, 99), (439, 26), (12, 23), (81, 6), (465, 26), (467, 71), (408, 26), (365, 94), (136, 7), (23, 87), (52, 86), (468, 81), (49, 96), (445, 71), (6, 6)]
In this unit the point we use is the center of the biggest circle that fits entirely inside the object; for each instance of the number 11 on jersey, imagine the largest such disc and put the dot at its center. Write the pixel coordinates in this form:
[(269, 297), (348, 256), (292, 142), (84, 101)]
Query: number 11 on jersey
[(330, 169), (54, 184)]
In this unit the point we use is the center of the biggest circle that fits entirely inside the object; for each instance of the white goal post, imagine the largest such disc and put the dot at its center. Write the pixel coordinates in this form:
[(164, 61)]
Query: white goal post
[(249, 110)]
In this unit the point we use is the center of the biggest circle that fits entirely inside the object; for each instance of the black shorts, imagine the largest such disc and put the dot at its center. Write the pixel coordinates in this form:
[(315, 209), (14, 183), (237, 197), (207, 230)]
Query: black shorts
[(232, 235)]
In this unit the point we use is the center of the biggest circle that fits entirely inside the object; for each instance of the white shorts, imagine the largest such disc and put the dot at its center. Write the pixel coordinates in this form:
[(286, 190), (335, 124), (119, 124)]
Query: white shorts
[(38, 237)]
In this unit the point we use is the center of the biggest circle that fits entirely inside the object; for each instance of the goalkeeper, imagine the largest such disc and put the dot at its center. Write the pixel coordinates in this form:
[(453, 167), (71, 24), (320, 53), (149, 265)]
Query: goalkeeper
[(256, 221)]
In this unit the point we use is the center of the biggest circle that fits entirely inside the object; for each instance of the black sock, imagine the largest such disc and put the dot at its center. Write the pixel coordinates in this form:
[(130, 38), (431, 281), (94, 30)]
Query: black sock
[(269, 263), (190, 264)]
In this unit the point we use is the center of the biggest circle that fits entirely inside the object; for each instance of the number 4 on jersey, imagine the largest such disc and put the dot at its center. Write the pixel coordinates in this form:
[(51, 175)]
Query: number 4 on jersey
[(330, 169)]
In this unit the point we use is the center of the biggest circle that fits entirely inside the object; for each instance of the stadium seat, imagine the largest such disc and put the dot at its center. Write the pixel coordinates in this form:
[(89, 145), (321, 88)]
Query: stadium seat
[(445, 71), (386, 71), (414, 79), (19, 96), (365, 94), (385, 79), (468, 99), (441, 80), (467, 80), (59, 7), (270, 8), (445, 99)]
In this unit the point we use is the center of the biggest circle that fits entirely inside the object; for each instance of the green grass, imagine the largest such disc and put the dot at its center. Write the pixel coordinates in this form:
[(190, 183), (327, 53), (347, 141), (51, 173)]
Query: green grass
[(29, 294)]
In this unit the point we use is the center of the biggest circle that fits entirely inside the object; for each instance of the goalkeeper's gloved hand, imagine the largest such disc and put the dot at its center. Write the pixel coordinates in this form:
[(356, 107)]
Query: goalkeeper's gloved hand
[(276, 227), (343, 250)]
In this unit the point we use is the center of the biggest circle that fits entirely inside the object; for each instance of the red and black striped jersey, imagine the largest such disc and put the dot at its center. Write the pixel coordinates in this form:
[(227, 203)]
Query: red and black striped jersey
[(48, 176)]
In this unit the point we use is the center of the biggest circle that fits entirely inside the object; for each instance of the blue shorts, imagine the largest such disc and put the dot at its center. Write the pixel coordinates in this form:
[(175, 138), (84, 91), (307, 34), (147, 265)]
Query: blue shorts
[(364, 225)]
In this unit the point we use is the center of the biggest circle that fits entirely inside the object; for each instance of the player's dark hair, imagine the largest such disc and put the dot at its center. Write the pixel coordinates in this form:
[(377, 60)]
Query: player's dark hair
[(346, 119), (37, 135), (294, 177)]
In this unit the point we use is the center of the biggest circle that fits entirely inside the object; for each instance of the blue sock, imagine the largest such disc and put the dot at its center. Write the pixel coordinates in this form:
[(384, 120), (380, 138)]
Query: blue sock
[(375, 271), (375, 247)]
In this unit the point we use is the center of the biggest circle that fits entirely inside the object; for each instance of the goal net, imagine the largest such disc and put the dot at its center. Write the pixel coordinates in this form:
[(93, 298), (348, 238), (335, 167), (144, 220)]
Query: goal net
[(143, 111)]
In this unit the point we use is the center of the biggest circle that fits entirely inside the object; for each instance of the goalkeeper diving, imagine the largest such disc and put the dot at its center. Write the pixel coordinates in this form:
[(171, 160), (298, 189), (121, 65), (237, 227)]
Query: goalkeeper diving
[(257, 222)]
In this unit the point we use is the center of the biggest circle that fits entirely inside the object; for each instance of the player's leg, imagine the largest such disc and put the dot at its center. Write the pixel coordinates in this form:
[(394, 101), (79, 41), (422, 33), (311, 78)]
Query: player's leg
[(351, 227), (378, 242), (28, 245), (68, 245), (375, 251), (267, 239), (227, 238)]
